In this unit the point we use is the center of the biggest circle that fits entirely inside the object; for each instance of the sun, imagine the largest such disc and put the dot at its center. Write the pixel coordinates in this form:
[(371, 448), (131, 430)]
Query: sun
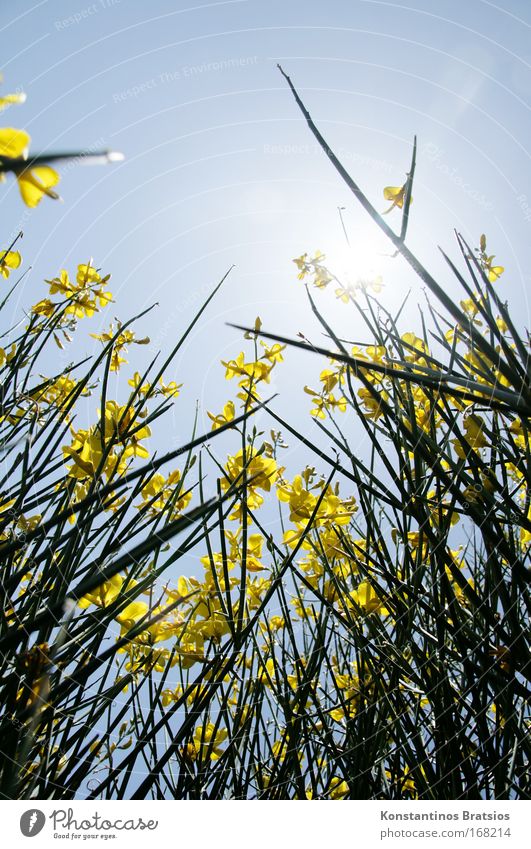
[(359, 264)]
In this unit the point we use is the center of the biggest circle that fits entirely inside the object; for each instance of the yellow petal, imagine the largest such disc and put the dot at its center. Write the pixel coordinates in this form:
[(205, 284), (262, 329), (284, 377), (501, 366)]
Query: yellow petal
[(8, 99), (494, 272), (392, 192), (36, 182), (397, 195), (132, 613), (13, 143), (11, 259)]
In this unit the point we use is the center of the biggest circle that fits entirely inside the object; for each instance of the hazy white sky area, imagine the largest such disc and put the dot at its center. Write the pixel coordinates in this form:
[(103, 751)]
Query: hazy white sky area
[(221, 169)]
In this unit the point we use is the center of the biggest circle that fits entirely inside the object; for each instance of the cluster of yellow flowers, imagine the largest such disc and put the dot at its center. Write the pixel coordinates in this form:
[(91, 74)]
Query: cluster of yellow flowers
[(322, 277), (308, 496), (210, 607), (161, 492), (324, 400), (413, 353), (250, 374), (258, 472), (122, 338), (19, 523), (335, 576), (315, 266), (83, 296), (107, 445)]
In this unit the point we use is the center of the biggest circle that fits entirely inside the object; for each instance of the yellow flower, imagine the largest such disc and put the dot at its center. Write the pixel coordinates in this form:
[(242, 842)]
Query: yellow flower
[(13, 143), (6, 357), (471, 309), (121, 424), (493, 272), (5, 505), (61, 285), (28, 524), (169, 390), (345, 293), (249, 372), (419, 348), (318, 401), (86, 452), (44, 307), (330, 378), (255, 591), (302, 265), (280, 750), (301, 501), (33, 182), (321, 277), (440, 508), (207, 740), (261, 472), (267, 673), (405, 782), (123, 338), (8, 99), (273, 353), (366, 597), (226, 416), (36, 182), (137, 385), (8, 261), (338, 789), (88, 448), (57, 392), (396, 194), (190, 651), (325, 401), (254, 553), (372, 404), (167, 697), (103, 595), (160, 490), (85, 294), (475, 436), (301, 611), (130, 615)]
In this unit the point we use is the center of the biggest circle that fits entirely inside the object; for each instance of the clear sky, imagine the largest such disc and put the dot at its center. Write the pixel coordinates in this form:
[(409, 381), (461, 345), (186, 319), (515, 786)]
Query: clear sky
[(220, 168)]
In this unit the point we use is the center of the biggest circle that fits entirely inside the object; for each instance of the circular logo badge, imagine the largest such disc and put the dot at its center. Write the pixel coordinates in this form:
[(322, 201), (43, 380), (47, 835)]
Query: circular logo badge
[(32, 822)]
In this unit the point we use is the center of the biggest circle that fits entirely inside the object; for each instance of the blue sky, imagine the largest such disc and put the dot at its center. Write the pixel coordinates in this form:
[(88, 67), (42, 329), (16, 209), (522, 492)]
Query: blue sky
[(221, 170)]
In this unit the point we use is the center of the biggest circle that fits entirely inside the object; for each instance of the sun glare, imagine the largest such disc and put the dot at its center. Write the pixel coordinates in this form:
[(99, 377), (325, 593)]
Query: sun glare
[(359, 264)]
